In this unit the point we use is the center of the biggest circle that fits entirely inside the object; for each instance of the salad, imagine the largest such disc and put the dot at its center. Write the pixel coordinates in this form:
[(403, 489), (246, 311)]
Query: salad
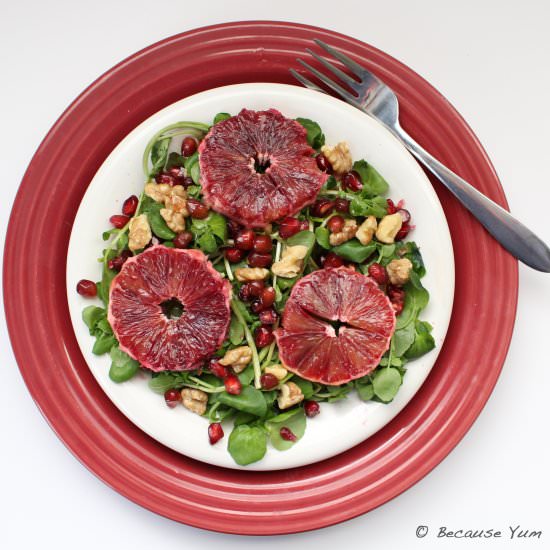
[(260, 273)]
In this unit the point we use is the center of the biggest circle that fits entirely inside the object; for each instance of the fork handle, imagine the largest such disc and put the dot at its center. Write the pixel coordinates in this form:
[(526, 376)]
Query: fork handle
[(520, 241)]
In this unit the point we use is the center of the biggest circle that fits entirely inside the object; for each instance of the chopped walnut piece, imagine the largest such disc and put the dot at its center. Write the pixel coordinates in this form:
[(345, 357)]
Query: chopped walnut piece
[(194, 400), (237, 358), (388, 228), (366, 230), (139, 233), (348, 232), (399, 271), (174, 220), (245, 274), (173, 197), (290, 394), (339, 157), (291, 262), (278, 371)]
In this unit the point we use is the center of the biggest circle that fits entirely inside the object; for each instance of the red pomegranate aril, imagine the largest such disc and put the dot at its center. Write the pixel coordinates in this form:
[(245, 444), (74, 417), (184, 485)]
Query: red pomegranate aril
[(311, 408), (263, 336), (197, 209), (352, 182), (86, 288), (119, 220), (322, 208), (218, 370), (403, 232), (268, 317), (269, 381), (215, 432), (130, 205), (163, 177), (288, 227), (256, 288), (342, 206), (244, 239), (116, 264), (332, 260), (188, 146), (335, 224), (172, 397), (287, 434), (323, 163), (268, 297), (244, 293), (262, 244), (232, 385), (304, 225), (257, 259), (378, 273), (183, 239), (234, 255), (397, 298), (391, 206), (256, 306), (233, 228), (187, 181), (405, 215)]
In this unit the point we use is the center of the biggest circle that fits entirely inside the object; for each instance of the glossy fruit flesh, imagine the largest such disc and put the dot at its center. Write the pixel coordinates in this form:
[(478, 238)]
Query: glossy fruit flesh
[(232, 385), (215, 433), (287, 434), (262, 244), (218, 370), (188, 146), (234, 255), (268, 317), (323, 163), (332, 260), (148, 330), (336, 326), (245, 239), (197, 209), (119, 220), (342, 206), (256, 259), (130, 206), (378, 273), (352, 182), (322, 208), (257, 167), (311, 408), (263, 336), (86, 288), (269, 381), (163, 177), (172, 397), (183, 239), (335, 224), (288, 227)]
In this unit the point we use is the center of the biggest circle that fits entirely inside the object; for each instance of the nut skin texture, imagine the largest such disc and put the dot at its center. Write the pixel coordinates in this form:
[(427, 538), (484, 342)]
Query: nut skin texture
[(339, 157), (139, 233), (366, 230), (290, 394), (174, 220), (194, 400), (348, 232), (237, 358), (291, 261), (399, 271), (278, 371), (388, 228), (245, 274)]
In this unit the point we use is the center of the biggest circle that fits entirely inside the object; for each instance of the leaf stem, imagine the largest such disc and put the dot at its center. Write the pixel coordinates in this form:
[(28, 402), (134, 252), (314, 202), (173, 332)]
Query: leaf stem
[(251, 344), (228, 269)]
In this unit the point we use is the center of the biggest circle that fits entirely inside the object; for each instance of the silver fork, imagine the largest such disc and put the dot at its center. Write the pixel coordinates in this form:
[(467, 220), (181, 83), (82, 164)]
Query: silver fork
[(376, 99)]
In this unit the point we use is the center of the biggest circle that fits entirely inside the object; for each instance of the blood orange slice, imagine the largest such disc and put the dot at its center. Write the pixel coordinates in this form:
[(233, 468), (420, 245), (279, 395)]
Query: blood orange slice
[(336, 326), (169, 308), (257, 167)]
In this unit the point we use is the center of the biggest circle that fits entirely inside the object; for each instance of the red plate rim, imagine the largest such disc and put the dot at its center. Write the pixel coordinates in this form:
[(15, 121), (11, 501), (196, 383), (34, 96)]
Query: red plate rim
[(132, 463)]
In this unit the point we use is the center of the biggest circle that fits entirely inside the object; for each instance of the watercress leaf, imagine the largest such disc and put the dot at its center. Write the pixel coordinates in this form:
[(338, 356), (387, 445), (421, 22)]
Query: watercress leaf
[(361, 206), (250, 400), (373, 183), (220, 117), (236, 331), (285, 283), (294, 420), (322, 236), (414, 255), (207, 243), (158, 225), (189, 161), (365, 391), (387, 250), (159, 154), (386, 383), (354, 251), (192, 168), (91, 315), (123, 367), (243, 418), (104, 342), (305, 385), (402, 340), (304, 238), (247, 375), (194, 191), (164, 381), (175, 160), (217, 225), (423, 340), (331, 183), (104, 326), (416, 299), (195, 172), (105, 286), (247, 444), (315, 136), (168, 244), (242, 309), (270, 397)]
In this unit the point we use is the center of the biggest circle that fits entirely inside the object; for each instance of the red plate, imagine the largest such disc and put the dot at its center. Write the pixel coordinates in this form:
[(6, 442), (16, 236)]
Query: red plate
[(119, 453)]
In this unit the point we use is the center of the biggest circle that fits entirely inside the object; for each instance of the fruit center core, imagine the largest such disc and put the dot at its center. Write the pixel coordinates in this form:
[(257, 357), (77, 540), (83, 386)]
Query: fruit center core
[(261, 163), (337, 325), (172, 309)]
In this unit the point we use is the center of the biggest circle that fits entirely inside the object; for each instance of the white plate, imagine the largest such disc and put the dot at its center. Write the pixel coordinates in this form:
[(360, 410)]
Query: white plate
[(341, 425)]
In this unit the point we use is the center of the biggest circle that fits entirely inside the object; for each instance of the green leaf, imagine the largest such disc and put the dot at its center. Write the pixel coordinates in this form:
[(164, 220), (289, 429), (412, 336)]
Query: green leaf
[(365, 391), (247, 375), (165, 381), (386, 383), (175, 160), (104, 342), (402, 340), (304, 238), (243, 310), (354, 251), (250, 400), (91, 315), (305, 385), (387, 250), (207, 243), (158, 225), (315, 136), (247, 444), (416, 299), (220, 117), (159, 154), (361, 206), (218, 225), (414, 255), (423, 340), (284, 283), (322, 236), (123, 367), (192, 167), (244, 418), (294, 420), (373, 183), (236, 331)]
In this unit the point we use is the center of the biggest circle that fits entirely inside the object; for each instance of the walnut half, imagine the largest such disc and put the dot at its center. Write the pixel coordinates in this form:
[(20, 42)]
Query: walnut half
[(348, 232), (291, 262), (139, 233), (339, 157), (399, 271), (290, 394), (194, 400), (237, 358)]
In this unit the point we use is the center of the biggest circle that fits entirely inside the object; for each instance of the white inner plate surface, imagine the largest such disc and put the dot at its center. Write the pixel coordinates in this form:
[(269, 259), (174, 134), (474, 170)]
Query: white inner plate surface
[(340, 425)]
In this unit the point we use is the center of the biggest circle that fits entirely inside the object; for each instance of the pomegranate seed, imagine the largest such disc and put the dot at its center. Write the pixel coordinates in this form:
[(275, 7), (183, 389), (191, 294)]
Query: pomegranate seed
[(311, 408), (342, 206), (218, 370), (335, 224), (86, 288), (197, 209), (256, 288), (244, 293), (287, 434), (183, 239), (232, 385), (332, 260), (352, 182), (215, 432), (262, 244), (323, 163), (397, 298), (172, 397), (268, 317), (178, 174), (391, 206), (263, 336), (405, 215), (245, 239), (378, 273), (164, 177), (119, 220), (403, 232), (269, 381), (233, 228), (234, 255), (187, 181), (268, 297), (288, 227), (256, 306), (188, 146), (116, 264), (130, 205), (322, 208), (256, 259), (304, 225)]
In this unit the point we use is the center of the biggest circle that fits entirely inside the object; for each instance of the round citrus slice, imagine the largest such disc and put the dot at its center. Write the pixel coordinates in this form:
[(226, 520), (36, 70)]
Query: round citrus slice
[(169, 308), (336, 326), (257, 167)]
